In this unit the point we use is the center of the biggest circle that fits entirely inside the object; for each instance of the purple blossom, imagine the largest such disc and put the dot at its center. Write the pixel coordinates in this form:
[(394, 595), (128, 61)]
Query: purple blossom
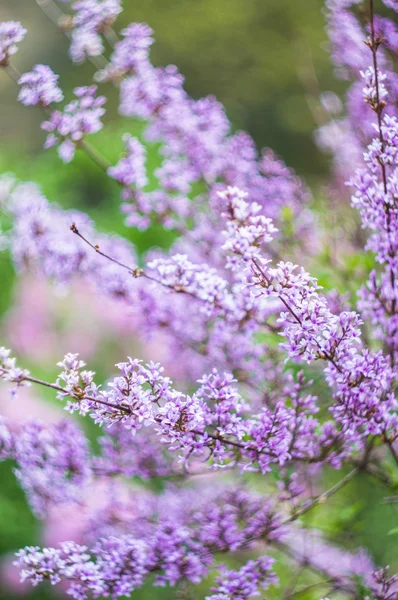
[(245, 583), (118, 568), (130, 170), (211, 309), (175, 175), (145, 93), (180, 275), (391, 4), (85, 43), (374, 195), (383, 586), (246, 231), (95, 14), (11, 33), (8, 369), (210, 423), (91, 19), (176, 546), (39, 87), (53, 464), (369, 91), (79, 118), (131, 53)]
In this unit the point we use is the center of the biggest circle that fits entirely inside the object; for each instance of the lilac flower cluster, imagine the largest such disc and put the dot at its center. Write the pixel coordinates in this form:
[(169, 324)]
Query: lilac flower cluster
[(91, 19), (246, 231), (130, 170), (374, 180), (347, 137), (118, 569), (213, 310), (39, 87), (79, 118), (53, 464), (196, 143), (131, 52), (213, 424), (246, 582), (362, 381), (178, 543), (8, 369), (41, 239), (374, 196), (11, 33)]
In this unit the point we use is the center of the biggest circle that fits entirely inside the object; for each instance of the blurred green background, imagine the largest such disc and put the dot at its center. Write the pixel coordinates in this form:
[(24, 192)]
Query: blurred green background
[(266, 60), (254, 55)]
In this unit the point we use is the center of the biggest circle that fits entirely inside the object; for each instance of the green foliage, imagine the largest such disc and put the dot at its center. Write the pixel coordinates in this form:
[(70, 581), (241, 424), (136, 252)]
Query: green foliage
[(259, 59)]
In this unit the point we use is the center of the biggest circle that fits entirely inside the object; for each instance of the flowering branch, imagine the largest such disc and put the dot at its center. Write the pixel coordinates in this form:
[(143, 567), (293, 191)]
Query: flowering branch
[(378, 107), (241, 409)]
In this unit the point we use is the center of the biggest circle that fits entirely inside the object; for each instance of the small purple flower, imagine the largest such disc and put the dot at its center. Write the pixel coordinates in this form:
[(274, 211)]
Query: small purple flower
[(85, 43), (96, 15), (11, 33), (131, 54), (130, 170), (245, 583), (246, 231), (391, 4), (79, 118), (39, 87), (53, 464)]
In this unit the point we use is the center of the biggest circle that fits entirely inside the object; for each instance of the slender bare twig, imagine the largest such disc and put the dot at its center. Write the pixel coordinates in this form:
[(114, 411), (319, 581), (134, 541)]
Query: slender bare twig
[(137, 272), (323, 497)]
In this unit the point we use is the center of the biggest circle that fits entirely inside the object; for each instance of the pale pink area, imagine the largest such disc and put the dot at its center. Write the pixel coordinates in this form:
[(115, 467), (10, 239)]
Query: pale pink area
[(70, 521), (46, 322), (26, 405), (309, 547), (10, 578)]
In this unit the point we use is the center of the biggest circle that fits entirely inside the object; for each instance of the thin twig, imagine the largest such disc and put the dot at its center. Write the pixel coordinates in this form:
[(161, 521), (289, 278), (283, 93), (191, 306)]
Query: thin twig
[(323, 497), (60, 19), (58, 388), (96, 156), (312, 586), (137, 272)]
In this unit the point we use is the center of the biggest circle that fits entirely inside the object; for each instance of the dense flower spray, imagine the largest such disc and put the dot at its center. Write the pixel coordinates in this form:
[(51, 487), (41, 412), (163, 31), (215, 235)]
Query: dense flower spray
[(240, 323)]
